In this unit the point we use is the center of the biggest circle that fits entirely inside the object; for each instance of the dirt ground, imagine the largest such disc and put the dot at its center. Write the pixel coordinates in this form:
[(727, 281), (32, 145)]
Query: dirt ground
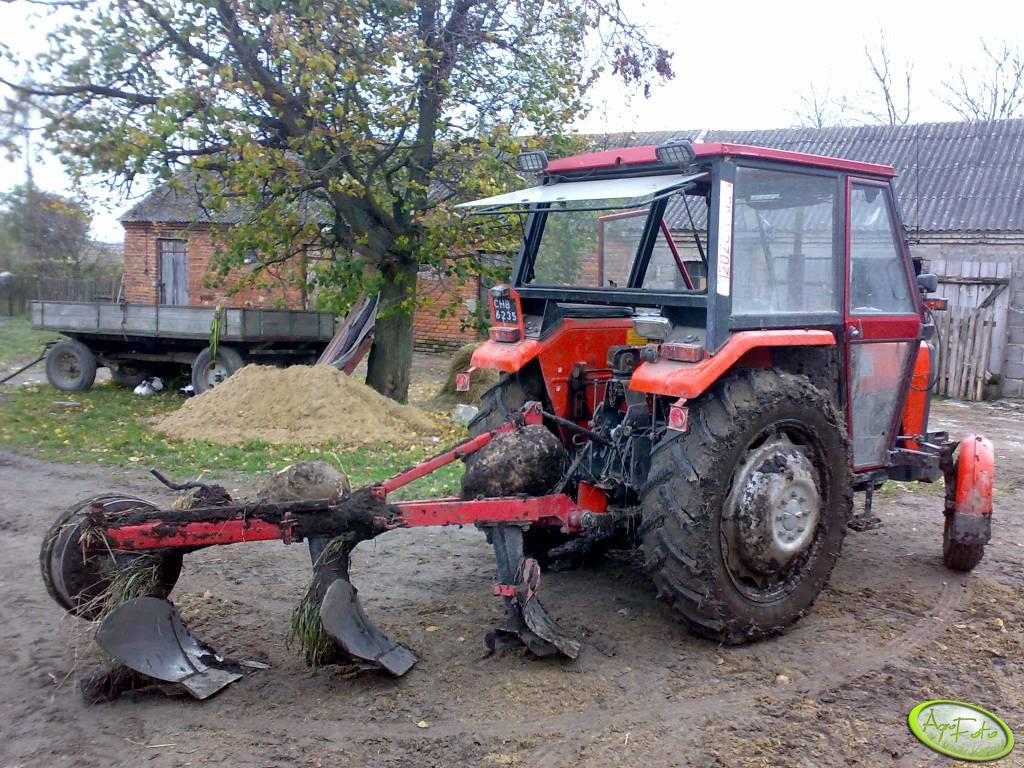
[(893, 629)]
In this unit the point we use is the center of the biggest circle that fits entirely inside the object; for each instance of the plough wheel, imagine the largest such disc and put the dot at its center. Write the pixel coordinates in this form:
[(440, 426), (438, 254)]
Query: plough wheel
[(968, 504), (75, 580)]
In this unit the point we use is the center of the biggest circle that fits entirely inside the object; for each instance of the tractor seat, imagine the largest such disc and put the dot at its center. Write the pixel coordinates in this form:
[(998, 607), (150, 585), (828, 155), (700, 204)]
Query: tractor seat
[(593, 310)]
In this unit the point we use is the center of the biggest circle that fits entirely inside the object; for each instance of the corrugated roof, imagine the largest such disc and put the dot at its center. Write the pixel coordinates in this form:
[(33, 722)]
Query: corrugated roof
[(952, 177)]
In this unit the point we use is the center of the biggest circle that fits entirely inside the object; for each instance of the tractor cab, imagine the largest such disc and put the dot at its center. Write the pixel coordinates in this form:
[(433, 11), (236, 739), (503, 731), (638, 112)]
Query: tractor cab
[(729, 341), (705, 257)]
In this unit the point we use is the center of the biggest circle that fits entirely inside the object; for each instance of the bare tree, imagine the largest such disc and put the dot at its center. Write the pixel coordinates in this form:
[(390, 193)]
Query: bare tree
[(820, 108), (890, 85), (989, 91)]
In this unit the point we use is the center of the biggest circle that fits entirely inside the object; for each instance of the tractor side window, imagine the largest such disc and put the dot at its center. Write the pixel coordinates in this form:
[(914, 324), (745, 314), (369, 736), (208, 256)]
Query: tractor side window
[(783, 259), (878, 275)]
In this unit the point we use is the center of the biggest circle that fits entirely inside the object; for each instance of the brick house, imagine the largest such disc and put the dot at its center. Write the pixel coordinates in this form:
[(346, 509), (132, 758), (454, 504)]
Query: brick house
[(170, 243)]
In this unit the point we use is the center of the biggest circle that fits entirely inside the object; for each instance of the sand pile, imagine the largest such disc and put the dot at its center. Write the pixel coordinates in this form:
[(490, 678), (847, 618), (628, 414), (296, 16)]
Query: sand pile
[(480, 380), (301, 404)]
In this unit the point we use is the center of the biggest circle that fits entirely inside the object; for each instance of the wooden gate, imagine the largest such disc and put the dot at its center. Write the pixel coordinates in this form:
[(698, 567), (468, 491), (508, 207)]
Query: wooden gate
[(972, 332)]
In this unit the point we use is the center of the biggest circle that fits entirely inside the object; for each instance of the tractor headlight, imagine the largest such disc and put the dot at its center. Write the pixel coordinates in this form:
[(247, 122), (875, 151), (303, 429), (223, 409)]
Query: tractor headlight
[(676, 152), (534, 161), (652, 326)]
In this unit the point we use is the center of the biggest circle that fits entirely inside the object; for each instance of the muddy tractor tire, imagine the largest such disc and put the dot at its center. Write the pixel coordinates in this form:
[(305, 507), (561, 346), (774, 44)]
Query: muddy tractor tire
[(959, 556), (208, 372), (70, 366), (504, 398), (744, 513)]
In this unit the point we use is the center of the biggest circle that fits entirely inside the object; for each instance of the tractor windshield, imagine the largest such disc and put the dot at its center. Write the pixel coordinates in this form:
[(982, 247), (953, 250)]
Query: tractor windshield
[(634, 232), (597, 243)]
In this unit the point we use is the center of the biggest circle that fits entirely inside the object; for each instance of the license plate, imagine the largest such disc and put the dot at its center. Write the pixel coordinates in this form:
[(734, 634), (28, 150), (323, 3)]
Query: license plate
[(505, 311)]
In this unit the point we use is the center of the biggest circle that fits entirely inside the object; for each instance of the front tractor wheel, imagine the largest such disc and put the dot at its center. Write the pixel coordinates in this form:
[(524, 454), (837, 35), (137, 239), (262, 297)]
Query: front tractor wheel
[(744, 514)]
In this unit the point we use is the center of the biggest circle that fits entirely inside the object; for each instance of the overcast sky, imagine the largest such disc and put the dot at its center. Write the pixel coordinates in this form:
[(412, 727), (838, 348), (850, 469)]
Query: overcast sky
[(739, 65)]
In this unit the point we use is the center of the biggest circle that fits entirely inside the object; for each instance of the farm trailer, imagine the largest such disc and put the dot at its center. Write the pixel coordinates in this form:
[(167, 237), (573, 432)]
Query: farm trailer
[(136, 341)]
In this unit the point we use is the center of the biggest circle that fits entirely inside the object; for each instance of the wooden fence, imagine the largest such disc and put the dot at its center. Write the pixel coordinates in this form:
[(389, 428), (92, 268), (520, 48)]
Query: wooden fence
[(973, 331), (16, 295)]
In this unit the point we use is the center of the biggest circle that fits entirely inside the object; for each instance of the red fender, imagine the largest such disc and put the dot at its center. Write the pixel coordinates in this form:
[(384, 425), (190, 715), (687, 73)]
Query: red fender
[(975, 472)]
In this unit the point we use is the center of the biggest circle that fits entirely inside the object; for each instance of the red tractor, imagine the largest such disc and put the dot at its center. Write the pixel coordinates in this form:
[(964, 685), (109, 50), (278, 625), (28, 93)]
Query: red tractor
[(706, 349), (744, 335)]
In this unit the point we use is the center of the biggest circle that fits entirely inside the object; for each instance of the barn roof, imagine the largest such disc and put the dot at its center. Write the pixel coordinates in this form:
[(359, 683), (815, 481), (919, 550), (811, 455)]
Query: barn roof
[(951, 177)]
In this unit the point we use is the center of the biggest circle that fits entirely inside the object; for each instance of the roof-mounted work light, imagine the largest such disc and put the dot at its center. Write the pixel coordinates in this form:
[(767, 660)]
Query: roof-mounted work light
[(534, 161), (676, 152)]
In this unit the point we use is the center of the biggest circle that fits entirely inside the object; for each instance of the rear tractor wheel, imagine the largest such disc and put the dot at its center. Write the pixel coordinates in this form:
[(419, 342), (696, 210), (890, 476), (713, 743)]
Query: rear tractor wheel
[(744, 513), (90, 583)]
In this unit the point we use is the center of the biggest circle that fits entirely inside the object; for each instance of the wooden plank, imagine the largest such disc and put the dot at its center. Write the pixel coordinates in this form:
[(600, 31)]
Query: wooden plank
[(967, 368), (947, 341), (947, 344), (972, 279), (1000, 327), (954, 356), (987, 333)]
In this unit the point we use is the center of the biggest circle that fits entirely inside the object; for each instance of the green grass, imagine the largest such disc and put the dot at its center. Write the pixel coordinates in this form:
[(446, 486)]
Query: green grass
[(19, 343), (112, 428)]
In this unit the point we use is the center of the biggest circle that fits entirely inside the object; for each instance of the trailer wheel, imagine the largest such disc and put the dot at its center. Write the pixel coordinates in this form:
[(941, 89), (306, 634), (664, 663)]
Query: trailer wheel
[(744, 513), (70, 366), (208, 372), (128, 376)]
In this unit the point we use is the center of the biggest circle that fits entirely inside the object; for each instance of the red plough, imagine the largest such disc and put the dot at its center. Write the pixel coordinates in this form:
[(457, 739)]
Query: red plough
[(75, 560)]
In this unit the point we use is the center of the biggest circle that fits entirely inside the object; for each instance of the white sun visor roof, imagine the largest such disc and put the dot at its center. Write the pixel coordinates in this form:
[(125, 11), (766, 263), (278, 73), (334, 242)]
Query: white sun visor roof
[(628, 193)]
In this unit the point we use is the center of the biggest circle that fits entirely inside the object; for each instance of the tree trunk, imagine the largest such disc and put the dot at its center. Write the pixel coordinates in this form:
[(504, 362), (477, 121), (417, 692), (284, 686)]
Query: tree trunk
[(391, 354)]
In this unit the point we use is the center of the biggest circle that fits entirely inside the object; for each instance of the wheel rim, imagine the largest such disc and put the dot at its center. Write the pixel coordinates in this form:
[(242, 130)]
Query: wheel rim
[(68, 366), (771, 520), (215, 373)]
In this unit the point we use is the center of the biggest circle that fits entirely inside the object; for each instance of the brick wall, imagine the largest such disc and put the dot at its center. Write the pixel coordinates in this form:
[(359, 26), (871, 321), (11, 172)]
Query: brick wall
[(277, 286), (440, 325), (435, 325)]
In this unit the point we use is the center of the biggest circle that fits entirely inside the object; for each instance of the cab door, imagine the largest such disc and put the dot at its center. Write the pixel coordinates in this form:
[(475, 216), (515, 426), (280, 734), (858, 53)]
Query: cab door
[(882, 320)]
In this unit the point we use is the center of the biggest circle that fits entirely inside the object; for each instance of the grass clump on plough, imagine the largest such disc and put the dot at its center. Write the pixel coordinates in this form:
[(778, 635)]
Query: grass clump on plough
[(307, 631)]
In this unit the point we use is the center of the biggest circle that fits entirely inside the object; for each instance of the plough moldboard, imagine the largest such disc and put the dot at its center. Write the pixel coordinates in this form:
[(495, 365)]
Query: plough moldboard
[(115, 559)]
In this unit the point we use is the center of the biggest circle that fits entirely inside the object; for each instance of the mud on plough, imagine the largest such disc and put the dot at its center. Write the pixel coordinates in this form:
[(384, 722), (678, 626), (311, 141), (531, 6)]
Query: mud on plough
[(114, 559)]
